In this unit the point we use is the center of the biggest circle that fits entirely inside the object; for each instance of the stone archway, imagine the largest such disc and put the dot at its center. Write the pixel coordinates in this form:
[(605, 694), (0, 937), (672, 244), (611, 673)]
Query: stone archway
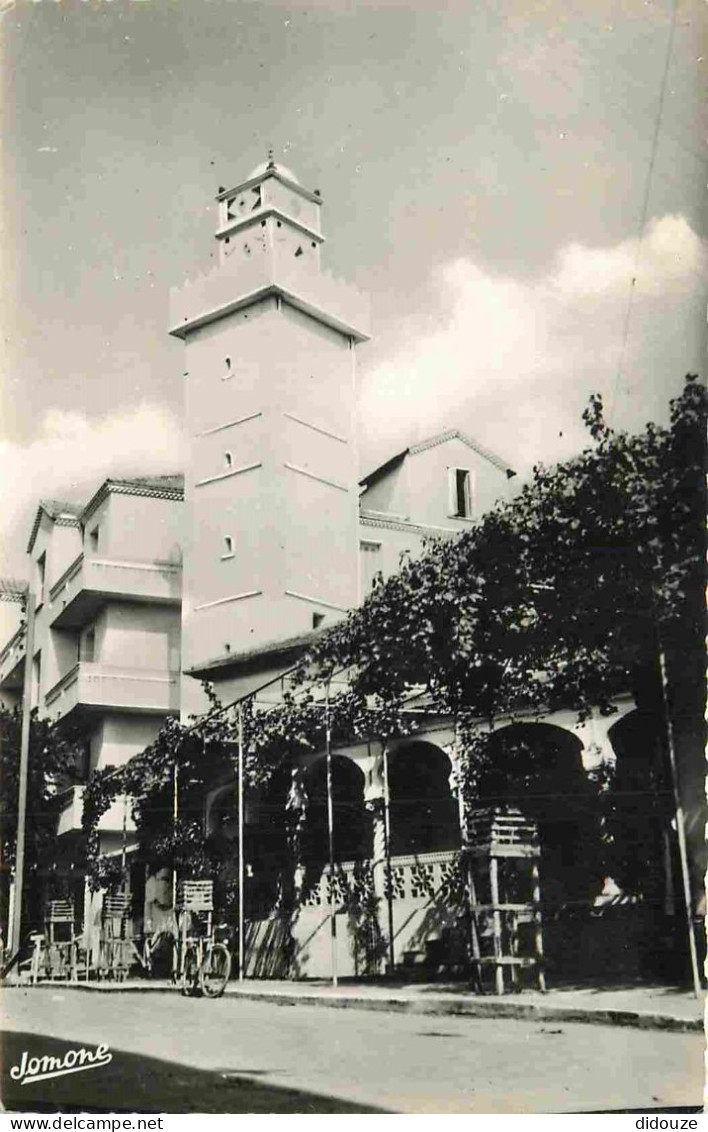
[(423, 815), (538, 768), (350, 821), (641, 807)]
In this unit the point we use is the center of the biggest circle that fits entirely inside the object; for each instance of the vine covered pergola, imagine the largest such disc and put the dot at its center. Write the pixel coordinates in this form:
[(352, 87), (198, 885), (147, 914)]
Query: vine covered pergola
[(587, 585)]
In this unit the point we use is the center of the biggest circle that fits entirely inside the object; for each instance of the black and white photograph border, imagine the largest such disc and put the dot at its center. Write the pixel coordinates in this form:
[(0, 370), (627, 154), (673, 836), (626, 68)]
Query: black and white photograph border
[(353, 465)]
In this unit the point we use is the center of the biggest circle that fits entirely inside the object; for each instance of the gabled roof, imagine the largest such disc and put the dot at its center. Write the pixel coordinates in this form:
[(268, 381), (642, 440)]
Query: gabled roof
[(432, 442), (54, 509)]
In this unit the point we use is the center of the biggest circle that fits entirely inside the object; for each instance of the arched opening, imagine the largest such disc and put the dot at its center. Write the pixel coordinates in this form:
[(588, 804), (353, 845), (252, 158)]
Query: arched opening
[(350, 822), (538, 769), (265, 841), (424, 817), (640, 808), (642, 849)]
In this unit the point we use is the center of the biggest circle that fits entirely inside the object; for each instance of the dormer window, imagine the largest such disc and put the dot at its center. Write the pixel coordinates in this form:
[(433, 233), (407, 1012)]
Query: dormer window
[(460, 492)]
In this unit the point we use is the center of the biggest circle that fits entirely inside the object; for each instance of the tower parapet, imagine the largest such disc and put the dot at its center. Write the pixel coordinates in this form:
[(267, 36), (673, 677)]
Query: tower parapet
[(269, 244), (272, 494)]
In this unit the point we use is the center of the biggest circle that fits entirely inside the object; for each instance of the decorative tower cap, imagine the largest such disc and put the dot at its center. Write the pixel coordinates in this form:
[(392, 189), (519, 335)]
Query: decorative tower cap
[(272, 166)]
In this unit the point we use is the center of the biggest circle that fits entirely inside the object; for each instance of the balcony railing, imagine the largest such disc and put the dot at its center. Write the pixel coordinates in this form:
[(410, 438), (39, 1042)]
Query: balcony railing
[(11, 661), (116, 817), (75, 598), (99, 686)]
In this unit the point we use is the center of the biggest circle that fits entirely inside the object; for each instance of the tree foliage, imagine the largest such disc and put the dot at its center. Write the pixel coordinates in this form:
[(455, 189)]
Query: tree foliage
[(54, 763)]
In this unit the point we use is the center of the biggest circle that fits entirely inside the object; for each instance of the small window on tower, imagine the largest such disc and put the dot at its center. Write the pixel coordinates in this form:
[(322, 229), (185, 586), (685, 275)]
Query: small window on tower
[(228, 547), (298, 252), (460, 490), (228, 460)]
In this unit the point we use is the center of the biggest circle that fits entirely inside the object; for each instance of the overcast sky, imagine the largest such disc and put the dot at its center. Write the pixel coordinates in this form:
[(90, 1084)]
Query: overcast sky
[(495, 174)]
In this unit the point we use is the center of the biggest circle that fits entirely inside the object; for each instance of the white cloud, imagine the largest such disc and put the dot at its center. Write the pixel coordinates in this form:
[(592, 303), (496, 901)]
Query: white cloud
[(670, 255), (71, 456), (514, 360)]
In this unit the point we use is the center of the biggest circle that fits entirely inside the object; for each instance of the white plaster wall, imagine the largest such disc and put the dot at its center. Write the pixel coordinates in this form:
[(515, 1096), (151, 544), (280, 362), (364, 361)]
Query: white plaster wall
[(138, 636), (428, 483), (142, 529), (290, 531), (65, 549), (388, 493), (120, 736)]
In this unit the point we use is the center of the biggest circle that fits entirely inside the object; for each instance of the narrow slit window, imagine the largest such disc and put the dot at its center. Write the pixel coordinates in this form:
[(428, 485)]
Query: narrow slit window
[(228, 460), (460, 487), (298, 252), (228, 545)]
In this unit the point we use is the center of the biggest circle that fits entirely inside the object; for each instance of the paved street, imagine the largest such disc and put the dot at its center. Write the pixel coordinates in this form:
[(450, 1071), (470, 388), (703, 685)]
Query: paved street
[(176, 1055)]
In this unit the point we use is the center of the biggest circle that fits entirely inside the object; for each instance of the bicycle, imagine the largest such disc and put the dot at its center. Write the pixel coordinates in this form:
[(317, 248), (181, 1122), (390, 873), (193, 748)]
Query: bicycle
[(206, 967)]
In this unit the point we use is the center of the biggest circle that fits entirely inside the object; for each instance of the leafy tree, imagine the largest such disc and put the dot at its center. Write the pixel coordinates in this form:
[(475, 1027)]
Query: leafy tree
[(563, 597), (54, 759)]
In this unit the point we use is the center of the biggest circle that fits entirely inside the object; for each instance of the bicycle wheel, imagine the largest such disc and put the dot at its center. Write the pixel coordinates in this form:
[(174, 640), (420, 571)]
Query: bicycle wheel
[(190, 971), (215, 970)]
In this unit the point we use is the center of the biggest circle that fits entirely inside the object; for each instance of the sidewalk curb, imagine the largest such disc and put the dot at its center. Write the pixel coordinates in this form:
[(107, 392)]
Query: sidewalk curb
[(480, 1009), (464, 1007)]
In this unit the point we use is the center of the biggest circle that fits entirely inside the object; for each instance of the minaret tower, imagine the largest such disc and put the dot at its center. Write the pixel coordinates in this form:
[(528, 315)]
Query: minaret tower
[(271, 489)]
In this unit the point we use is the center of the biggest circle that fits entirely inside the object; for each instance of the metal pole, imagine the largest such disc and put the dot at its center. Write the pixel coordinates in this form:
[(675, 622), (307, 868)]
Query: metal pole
[(241, 870), (177, 949), (175, 815), (680, 826), (24, 772), (125, 837), (330, 835), (389, 878)]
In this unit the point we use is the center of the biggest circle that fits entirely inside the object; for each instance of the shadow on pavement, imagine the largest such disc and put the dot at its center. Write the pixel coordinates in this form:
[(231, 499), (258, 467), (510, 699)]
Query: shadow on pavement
[(132, 1083)]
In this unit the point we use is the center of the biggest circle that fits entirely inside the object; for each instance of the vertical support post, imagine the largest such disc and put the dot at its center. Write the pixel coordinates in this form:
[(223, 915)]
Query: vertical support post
[(496, 923), (538, 930), (680, 826), (389, 876), (241, 869), (124, 847), (16, 934), (177, 950), (330, 835), (175, 815), (470, 889)]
